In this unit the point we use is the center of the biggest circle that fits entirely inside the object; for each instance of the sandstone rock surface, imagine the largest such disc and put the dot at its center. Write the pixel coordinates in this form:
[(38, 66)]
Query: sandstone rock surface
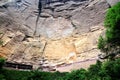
[(66, 32)]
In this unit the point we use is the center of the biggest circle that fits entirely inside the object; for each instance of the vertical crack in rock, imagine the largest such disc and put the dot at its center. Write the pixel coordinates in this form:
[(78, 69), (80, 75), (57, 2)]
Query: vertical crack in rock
[(39, 13), (48, 30)]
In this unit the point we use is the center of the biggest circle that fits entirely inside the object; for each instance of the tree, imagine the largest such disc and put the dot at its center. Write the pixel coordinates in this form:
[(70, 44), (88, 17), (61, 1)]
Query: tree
[(110, 44), (2, 61)]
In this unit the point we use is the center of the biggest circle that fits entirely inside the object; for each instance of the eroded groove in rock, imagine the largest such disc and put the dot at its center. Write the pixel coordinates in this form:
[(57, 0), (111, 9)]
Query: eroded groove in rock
[(64, 30)]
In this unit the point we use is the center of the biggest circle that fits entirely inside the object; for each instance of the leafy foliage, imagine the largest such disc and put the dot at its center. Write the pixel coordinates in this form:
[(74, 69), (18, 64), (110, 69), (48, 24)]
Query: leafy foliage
[(2, 77), (101, 44), (100, 71), (112, 24), (108, 70), (2, 61), (77, 75), (16, 75), (110, 44), (112, 68)]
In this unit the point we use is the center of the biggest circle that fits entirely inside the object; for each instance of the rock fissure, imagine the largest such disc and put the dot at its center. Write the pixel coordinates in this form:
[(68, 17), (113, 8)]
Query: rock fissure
[(66, 31)]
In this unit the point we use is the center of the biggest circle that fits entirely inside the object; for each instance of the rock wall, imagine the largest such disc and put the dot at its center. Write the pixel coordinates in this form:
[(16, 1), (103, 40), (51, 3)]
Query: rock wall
[(112, 2), (66, 32)]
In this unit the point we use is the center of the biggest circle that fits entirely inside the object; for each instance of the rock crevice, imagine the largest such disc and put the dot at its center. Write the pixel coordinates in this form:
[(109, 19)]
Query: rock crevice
[(65, 32)]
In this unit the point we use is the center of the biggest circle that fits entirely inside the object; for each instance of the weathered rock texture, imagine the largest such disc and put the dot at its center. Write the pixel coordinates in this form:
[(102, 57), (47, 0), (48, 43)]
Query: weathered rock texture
[(66, 32), (112, 2)]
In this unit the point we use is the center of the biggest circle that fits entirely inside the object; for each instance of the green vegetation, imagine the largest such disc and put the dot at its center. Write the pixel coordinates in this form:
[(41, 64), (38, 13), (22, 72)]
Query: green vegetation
[(110, 43), (2, 61), (100, 71), (109, 70), (1, 42)]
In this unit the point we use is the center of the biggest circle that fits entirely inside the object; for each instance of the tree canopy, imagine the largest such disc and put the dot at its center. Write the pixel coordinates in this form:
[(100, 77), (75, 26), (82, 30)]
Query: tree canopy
[(110, 43)]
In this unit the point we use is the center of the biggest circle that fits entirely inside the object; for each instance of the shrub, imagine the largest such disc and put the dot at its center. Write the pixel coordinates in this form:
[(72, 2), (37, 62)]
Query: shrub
[(110, 44), (39, 75), (112, 69), (2, 62), (2, 77), (112, 24), (15, 74), (101, 43), (100, 71), (95, 69)]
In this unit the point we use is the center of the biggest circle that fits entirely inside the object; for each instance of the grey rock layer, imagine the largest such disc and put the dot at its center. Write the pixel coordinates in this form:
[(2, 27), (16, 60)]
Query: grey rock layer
[(112, 2), (63, 29), (78, 15)]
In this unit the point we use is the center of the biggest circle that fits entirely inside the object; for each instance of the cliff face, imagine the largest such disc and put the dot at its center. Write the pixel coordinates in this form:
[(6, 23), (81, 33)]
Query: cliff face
[(111, 2), (66, 31)]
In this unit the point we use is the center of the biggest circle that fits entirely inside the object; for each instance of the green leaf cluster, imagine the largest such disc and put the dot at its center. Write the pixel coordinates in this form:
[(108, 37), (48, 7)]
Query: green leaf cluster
[(2, 62), (112, 24), (110, 43)]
